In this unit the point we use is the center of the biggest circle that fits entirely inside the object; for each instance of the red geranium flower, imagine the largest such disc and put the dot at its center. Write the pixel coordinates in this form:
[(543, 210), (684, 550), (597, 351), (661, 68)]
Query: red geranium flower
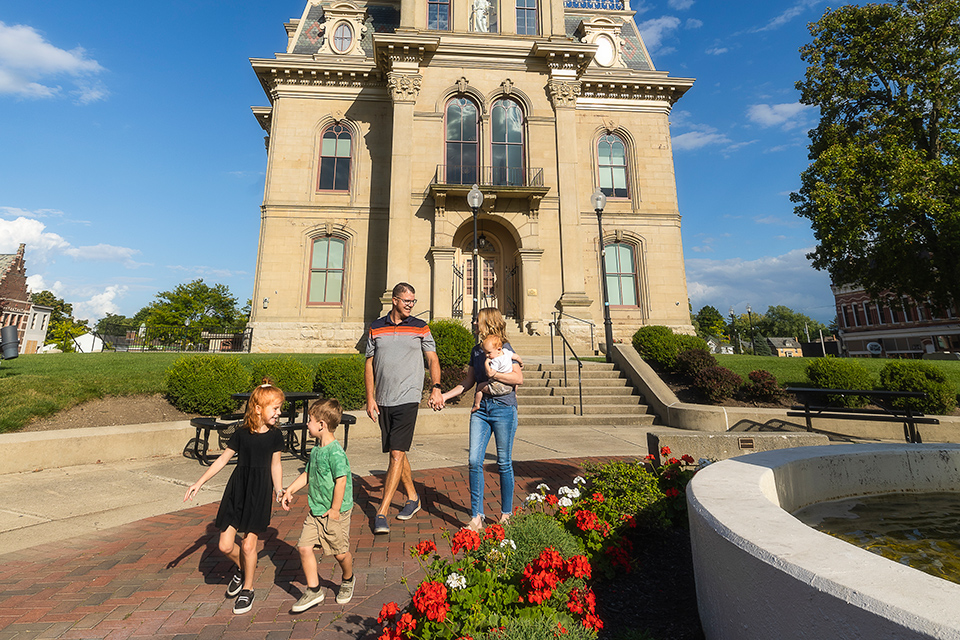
[(687, 459), (406, 623), (673, 461), (672, 492), (388, 612), (494, 532), (425, 547), (598, 497), (551, 499), (650, 457), (664, 451), (579, 567), (465, 539), (430, 599), (587, 520)]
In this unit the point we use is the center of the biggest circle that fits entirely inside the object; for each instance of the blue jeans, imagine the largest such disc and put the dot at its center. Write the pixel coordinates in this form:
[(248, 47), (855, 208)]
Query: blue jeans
[(501, 421)]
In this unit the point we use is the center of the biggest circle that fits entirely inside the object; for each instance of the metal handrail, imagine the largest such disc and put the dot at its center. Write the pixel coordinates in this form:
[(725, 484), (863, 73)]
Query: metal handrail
[(567, 345), (561, 315)]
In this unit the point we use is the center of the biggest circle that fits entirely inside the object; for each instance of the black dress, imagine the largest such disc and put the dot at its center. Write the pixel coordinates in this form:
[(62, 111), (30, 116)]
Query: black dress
[(248, 499)]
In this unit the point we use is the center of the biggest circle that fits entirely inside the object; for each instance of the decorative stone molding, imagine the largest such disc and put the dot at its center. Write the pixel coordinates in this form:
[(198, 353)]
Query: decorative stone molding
[(604, 32), (404, 87), (533, 209), (439, 204), (507, 86), (564, 93), (462, 85), (349, 18), (624, 88)]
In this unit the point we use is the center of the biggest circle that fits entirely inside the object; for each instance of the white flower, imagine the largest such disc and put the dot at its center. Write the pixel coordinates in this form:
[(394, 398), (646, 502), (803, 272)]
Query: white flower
[(565, 502), (579, 480), (534, 497), (508, 542), (456, 581), (542, 487), (564, 491), (575, 494)]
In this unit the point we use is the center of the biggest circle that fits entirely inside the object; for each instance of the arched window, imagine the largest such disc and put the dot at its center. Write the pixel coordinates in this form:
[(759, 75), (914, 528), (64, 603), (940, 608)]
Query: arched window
[(462, 140), (326, 271), (335, 151), (612, 162), (506, 122), (621, 267)]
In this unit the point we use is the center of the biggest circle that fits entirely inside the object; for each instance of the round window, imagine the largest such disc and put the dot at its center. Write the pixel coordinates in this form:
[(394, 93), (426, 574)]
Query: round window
[(606, 52), (342, 38)]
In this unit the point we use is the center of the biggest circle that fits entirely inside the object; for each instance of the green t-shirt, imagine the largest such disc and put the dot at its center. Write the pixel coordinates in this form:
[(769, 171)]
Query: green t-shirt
[(326, 464)]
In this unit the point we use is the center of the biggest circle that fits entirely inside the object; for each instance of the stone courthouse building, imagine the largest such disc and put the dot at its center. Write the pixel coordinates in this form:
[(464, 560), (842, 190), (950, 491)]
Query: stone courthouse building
[(383, 114)]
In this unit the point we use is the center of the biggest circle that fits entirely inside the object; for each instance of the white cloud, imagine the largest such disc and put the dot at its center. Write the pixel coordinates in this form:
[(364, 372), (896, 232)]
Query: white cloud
[(205, 271), (29, 66), (654, 31), (788, 15), (693, 23), (36, 284), (99, 304), (716, 51), (680, 5), (787, 280), (786, 116), (43, 245), (703, 136)]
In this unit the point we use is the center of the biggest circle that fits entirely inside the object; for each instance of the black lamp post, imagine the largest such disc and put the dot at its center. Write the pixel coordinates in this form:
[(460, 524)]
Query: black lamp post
[(599, 201), (733, 332), (753, 346), (475, 199)]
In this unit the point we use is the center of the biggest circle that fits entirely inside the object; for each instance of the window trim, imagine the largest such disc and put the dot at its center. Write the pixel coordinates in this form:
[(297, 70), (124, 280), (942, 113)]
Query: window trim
[(535, 10), (621, 274), (476, 143), (449, 10), (522, 144), (311, 271), (336, 30), (626, 165)]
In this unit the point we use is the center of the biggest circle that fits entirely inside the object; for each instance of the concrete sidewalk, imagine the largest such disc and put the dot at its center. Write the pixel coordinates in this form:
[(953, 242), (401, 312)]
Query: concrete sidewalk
[(111, 551)]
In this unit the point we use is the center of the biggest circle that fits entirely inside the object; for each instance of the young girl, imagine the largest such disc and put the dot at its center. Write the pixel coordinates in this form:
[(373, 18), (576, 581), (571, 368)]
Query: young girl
[(247, 500)]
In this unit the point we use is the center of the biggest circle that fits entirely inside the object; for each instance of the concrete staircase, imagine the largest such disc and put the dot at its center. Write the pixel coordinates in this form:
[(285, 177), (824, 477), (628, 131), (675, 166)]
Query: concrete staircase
[(607, 398), (539, 346)]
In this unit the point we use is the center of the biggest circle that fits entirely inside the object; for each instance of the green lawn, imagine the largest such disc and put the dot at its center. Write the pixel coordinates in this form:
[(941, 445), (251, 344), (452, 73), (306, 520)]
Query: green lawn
[(42, 385), (792, 371)]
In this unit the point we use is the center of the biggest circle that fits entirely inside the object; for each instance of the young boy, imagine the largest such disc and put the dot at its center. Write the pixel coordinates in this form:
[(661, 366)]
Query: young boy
[(330, 496), (499, 360)]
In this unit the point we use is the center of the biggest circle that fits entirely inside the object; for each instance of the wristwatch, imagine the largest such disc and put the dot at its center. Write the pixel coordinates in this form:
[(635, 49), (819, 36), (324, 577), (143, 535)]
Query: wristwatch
[(436, 386)]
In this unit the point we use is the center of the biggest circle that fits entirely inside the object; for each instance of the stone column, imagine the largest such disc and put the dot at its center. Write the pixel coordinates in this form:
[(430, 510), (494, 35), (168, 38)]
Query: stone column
[(404, 87), (441, 302), (564, 90), (530, 274)]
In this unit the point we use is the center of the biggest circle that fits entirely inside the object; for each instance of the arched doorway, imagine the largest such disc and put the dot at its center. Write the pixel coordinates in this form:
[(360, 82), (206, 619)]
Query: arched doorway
[(499, 272)]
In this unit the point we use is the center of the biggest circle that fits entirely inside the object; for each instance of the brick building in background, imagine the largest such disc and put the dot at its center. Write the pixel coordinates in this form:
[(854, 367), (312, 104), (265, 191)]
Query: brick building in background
[(900, 326), (15, 307)]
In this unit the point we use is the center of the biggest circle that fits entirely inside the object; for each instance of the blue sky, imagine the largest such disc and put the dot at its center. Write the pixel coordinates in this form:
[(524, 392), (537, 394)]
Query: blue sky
[(131, 161)]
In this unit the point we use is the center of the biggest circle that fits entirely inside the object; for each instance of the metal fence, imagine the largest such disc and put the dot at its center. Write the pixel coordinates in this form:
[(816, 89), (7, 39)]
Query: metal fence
[(175, 338)]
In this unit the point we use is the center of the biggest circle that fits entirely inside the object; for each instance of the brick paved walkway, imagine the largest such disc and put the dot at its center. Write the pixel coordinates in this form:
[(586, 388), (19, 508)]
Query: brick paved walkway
[(164, 578)]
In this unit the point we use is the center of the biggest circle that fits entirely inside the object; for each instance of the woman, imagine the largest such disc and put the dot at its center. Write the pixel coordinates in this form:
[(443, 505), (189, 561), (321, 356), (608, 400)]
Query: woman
[(497, 415)]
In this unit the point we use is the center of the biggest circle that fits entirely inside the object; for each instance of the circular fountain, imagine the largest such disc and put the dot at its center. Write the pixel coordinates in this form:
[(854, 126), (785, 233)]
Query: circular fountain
[(763, 574)]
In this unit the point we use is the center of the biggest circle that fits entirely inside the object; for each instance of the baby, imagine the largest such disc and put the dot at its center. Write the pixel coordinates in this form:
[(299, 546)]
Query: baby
[(499, 360)]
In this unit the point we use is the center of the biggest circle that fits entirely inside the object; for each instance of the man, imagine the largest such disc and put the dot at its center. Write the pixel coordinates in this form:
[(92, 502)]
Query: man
[(393, 376)]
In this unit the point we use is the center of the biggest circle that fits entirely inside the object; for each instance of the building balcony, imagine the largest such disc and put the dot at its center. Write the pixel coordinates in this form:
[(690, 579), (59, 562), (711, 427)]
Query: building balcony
[(510, 183)]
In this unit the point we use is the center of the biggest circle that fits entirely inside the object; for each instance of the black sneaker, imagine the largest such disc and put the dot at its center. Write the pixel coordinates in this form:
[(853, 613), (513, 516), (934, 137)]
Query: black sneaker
[(410, 508), (235, 584), (244, 601), (380, 524)]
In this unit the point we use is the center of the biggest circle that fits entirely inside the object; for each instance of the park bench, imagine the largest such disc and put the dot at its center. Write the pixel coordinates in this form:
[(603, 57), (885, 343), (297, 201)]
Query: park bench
[(816, 405)]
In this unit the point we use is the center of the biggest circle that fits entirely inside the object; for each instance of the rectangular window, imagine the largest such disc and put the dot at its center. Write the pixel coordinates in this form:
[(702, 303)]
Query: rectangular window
[(527, 17), (621, 275), (438, 15), (326, 272)]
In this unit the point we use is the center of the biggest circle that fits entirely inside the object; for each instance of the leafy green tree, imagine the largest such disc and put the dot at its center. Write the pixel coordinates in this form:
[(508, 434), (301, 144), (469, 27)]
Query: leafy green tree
[(883, 189), (711, 322), (62, 328), (783, 322), (196, 306), (113, 321)]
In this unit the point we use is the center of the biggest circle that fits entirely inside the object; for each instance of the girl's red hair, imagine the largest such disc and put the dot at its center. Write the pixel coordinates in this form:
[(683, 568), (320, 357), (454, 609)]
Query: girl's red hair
[(260, 397)]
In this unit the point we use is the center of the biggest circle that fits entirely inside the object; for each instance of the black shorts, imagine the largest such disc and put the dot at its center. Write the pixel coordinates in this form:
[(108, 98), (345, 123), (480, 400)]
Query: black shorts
[(396, 426)]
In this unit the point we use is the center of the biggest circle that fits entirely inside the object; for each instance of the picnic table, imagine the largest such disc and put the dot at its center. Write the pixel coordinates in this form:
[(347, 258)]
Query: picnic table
[(293, 425)]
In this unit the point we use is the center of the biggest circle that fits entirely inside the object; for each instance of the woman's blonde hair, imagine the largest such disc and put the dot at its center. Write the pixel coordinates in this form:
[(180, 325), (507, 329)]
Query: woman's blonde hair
[(260, 397), (490, 322)]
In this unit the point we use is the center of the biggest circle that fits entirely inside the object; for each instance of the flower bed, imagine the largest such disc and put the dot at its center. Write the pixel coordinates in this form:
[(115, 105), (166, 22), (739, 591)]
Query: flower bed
[(533, 578)]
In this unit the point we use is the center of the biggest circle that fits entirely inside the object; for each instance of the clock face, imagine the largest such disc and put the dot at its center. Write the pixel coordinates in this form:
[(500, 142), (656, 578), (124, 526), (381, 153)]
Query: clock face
[(606, 53), (342, 38)]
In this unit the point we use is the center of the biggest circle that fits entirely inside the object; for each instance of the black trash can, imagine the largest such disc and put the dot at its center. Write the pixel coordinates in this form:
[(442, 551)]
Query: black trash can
[(9, 345)]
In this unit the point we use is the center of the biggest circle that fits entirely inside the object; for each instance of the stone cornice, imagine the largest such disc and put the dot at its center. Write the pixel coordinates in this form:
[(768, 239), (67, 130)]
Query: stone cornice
[(650, 86), (565, 55), (306, 71), (402, 51)]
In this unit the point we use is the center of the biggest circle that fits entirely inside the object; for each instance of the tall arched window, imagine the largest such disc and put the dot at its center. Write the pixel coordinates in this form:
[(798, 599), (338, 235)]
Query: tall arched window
[(462, 139), (612, 162), (506, 122), (335, 150), (621, 274), (326, 271)]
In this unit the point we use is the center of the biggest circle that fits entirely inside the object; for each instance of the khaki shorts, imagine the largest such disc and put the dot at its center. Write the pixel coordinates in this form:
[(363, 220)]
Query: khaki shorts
[(332, 536)]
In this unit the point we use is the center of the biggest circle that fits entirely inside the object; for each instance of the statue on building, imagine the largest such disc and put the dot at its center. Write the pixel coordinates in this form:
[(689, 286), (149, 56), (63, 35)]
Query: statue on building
[(481, 15)]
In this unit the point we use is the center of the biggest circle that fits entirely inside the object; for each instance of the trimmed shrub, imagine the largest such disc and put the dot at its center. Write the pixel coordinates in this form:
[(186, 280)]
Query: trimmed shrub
[(692, 361), (454, 342), (342, 378), (763, 387), (913, 375), (534, 532), (657, 345), (717, 383), (286, 372), (203, 384), (685, 343), (840, 373)]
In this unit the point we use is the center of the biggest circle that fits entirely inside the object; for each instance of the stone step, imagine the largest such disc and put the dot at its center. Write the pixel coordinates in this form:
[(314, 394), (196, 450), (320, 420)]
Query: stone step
[(573, 382), (644, 419), (532, 390), (572, 373), (548, 409), (572, 364)]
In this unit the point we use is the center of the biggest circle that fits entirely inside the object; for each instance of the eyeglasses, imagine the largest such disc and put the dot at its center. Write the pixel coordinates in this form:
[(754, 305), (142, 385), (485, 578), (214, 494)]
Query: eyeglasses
[(407, 303)]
